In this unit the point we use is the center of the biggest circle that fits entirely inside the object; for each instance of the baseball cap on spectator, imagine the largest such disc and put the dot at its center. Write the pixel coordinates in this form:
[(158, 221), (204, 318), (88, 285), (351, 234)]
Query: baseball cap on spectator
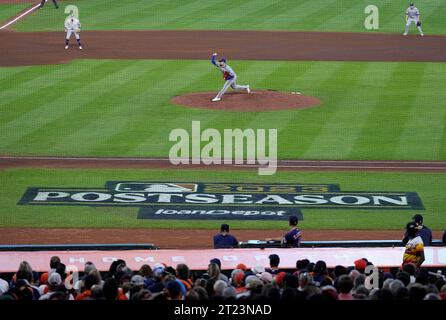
[(266, 277), (170, 270), (137, 280), (238, 278), (360, 265), (224, 227), (241, 266), (258, 270), (159, 265), (44, 277), (229, 293), (174, 289), (54, 279), (158, 270), (279, 278), (88, 267), (252, 282)]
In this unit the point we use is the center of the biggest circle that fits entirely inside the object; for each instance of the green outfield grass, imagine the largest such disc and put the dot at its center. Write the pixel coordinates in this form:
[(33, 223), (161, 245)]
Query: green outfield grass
[(370, 110), (10, 10), (320, 15), (15, 182)]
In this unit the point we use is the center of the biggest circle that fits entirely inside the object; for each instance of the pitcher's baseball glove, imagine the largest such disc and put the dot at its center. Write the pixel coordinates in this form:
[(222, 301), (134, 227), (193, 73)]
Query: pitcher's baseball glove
[(419, 24)]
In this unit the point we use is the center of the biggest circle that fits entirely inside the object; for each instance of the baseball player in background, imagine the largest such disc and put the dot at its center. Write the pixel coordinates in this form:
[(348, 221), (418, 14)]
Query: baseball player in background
[(72, 26), (230, 77), (413, 15), (42, 3)]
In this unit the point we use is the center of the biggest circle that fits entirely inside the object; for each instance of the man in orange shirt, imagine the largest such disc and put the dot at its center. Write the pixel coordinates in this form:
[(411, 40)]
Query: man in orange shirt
[(414, 252)]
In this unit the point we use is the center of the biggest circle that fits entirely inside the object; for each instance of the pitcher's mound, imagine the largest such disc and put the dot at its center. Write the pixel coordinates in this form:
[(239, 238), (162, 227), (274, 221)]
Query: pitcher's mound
[(261, 100)]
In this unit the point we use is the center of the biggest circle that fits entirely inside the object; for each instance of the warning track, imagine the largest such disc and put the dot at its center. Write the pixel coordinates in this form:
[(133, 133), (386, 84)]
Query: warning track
[(148, 163)]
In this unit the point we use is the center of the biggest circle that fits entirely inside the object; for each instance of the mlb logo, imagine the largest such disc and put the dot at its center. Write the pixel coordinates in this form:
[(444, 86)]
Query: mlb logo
[(157, 187)]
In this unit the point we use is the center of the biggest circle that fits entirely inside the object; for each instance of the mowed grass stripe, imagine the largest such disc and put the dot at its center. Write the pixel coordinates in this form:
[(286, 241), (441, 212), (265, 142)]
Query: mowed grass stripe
[(166, 86), (341, 19), (425, 120), (22, 101), (149, 15), (311, 17), (292, 16), (334, 137), (10, 76), (179, 16), (36, 78), (386, 122), (238, 16), (306, 124), (68, 102), (152, 137), (222, 15), (326, 86), (442, 151), (106, 113)]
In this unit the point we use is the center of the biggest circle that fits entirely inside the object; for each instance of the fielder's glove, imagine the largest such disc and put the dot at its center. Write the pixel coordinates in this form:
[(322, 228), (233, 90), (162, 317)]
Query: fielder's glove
[(419, 24), (78, 30)]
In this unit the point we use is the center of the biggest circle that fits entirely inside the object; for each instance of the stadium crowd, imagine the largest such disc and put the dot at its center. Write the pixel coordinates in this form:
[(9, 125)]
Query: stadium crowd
[(308, 281)]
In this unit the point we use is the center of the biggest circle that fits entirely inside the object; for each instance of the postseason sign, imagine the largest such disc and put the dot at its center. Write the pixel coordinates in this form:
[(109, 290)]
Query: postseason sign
[(222, 201)]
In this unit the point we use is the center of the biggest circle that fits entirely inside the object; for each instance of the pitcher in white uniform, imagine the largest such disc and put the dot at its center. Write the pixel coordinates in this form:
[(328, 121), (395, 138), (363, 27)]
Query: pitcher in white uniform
[(72, 26), (413, 15)]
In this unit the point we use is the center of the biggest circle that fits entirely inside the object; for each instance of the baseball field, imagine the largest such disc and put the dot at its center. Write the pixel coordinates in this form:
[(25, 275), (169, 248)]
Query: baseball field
[(77, 119)]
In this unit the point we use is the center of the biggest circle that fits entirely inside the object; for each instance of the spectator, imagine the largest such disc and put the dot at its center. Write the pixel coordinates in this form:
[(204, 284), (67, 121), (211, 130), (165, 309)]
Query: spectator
[(173, 290), (320, 275), (4, 286), (88, 267), (305, 280), (183, 274), (424, 232), (24, 272), (224, 240), (345, 286), (293, 237), (219, 288), (221, 275), (414, 252), (55, 284), (361, 264), (274, 261), (89, 282), (254, 284)]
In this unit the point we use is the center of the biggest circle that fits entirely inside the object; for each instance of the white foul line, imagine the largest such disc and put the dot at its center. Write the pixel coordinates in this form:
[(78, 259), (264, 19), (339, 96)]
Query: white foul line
[(20, 16)]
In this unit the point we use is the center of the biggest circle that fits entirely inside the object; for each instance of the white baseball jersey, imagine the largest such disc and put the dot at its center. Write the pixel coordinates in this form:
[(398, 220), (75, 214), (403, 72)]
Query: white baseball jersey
[(72, 24), (413, 13)]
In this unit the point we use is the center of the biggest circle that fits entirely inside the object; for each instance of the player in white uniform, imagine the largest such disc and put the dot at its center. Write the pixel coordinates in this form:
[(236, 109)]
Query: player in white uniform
[(230, 78), (413, 15), (72, 26)]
